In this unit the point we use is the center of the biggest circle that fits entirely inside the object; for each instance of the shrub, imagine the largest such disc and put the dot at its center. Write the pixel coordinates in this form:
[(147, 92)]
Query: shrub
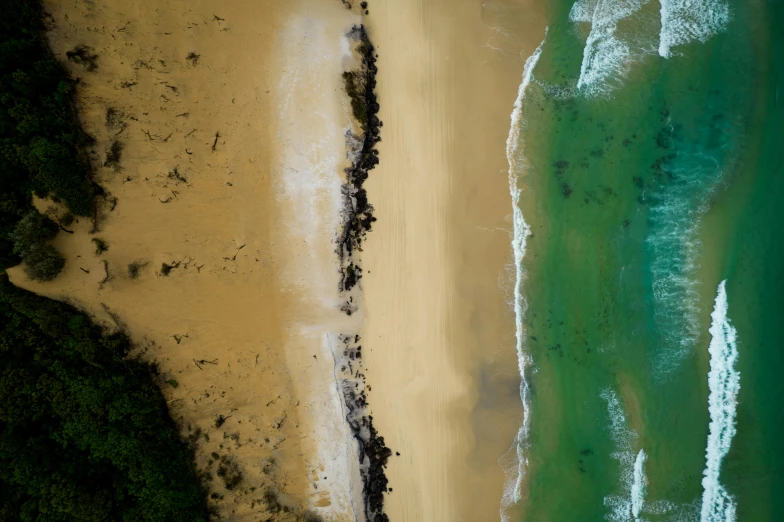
[(33, 229), (43, 262), (30, 239)]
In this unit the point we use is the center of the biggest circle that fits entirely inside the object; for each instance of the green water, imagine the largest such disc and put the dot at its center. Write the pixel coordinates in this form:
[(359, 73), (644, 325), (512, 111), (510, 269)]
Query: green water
[(641, 200)]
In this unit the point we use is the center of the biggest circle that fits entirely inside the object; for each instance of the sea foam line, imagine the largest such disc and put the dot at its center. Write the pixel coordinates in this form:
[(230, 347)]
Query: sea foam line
[(630, 502), (639, 485), (675, 217), (684, 21), (517, 165), (626, 506), (724, 384), (606, 57)]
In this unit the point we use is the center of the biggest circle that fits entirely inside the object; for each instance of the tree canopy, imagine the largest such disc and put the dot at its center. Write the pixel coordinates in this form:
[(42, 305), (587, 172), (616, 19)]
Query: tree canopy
[(40, 136), (85, 434)]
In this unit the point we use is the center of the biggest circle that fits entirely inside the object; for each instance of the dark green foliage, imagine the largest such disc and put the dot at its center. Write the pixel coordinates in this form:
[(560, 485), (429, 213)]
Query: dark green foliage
[(40, 137), (32, 230), (43, 262), (30, 242), (67, 220), (85, 434)]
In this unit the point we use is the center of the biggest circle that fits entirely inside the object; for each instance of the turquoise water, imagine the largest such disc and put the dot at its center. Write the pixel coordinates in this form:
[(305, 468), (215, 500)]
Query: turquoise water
[(646, 171)]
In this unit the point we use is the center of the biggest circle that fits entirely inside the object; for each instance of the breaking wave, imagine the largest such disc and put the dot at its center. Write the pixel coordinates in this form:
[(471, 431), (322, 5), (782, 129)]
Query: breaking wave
[(639, 485), (514, 462), (684, 21), (675, 216), (607, 54), (724, 384), (628, 503)]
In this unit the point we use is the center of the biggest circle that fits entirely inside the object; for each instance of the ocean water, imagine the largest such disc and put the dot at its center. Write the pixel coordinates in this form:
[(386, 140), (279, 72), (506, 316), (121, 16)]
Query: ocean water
[(646, 156)]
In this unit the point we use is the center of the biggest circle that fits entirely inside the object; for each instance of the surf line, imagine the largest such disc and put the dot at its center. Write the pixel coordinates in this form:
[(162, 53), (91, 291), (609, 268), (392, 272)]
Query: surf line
[(517, 165), (724, 384), (630, 503), (684, 21), (605, 55)]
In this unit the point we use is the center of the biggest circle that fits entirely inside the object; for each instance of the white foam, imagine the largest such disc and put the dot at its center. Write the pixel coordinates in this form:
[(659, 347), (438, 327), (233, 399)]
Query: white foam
[(639, 485), (724, 384), (675, 218), (606, 55), (684, 21), (515, 469), (621, 505)]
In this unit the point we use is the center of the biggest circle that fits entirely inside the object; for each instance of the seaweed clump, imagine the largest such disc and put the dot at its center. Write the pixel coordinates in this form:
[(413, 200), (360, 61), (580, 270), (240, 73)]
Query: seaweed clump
[(358, 215), (357, 221)]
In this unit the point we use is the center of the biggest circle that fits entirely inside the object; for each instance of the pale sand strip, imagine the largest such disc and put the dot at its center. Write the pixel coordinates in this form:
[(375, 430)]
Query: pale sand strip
[(255, 289), (314, 116), (439, 332)]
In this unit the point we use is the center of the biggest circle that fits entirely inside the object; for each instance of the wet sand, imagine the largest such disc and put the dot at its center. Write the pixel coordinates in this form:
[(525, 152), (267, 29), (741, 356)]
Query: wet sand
[(231, 119), (439, 330)]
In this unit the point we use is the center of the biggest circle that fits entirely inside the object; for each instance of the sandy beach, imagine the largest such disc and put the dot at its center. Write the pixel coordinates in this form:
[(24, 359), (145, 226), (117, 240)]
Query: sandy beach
[(440, 332), (226, 200), (221, 219)]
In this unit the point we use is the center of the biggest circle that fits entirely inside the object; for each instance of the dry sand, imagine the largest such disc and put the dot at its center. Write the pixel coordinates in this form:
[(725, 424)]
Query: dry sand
[(439, 330), (231, 116)]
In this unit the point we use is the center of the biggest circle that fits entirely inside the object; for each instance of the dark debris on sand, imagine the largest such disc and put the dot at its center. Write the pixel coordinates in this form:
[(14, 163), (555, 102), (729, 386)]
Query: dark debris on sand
[(373, 452), (358, 212), (357, 221)]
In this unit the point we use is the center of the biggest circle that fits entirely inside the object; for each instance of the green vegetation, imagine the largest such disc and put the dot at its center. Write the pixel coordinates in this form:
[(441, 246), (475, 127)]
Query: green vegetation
[(85, 434), (30, 242), (40, 138)]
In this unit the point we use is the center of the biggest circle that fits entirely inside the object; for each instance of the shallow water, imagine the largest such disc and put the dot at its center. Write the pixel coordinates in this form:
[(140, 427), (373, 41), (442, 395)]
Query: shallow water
[(645, 155)]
